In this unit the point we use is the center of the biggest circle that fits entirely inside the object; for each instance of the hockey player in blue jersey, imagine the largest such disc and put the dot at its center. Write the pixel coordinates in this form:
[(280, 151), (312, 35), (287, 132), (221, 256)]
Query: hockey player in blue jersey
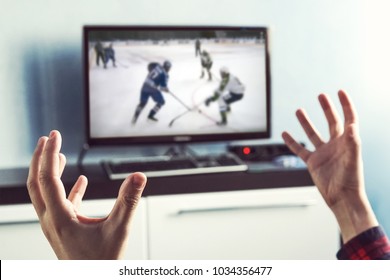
[(109, 54), (99, 49), (155, 82)]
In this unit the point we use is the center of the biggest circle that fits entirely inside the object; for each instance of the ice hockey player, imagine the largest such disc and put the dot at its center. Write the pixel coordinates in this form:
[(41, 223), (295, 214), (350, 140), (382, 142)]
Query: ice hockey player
[(230, 90), (100, 53), (206, 62), (197, 47), (109, 54), (155, 82)]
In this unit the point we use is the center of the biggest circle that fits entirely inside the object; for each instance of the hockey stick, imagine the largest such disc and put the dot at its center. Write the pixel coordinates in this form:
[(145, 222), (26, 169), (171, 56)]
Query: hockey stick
[(184, 113), (179, 100), (190, 109)]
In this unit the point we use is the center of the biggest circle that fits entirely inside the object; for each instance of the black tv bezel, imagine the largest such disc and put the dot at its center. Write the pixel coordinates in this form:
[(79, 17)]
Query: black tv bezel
[(173, 139)]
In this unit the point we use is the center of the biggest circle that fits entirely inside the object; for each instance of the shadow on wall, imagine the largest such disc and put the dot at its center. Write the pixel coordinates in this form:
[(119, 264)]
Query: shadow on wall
[(53, 79)]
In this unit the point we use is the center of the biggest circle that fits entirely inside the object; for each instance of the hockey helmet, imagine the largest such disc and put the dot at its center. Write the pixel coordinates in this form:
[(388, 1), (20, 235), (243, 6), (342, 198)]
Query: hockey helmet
[(224, 71), (167, 65)]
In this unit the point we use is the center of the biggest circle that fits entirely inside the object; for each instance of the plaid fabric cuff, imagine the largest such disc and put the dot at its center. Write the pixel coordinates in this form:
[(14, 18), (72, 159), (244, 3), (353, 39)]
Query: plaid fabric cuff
[(371, 244)]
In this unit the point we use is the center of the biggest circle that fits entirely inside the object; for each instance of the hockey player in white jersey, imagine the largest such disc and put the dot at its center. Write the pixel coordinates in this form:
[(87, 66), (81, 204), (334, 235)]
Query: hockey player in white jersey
[(230, 90), (206, 63)]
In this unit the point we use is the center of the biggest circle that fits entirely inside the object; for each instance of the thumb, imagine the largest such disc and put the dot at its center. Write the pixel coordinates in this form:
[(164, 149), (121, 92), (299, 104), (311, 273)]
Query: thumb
[(129, 195)]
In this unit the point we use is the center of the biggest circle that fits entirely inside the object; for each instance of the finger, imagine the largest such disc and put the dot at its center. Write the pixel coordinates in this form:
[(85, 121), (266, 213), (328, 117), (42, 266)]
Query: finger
[(129, 195), (309, 128), (77, 193), (295, 147), (353, 139), (331, 116), (52, 188), (62, 160), (33, 185), (350, 115)]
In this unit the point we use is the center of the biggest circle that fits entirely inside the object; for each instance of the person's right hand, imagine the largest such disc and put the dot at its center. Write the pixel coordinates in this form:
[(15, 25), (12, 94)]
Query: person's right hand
[(72, 235)]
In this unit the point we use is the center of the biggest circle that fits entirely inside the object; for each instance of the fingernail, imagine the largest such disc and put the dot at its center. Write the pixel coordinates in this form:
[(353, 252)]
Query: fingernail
[(52, 134)]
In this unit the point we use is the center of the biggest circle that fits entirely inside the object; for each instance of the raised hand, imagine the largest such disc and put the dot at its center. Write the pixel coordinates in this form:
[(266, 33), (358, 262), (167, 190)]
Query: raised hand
[(336, 166), (72, 235)]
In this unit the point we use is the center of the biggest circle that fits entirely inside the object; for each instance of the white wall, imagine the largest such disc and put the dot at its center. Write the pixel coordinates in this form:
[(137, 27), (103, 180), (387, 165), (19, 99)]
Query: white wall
[(317, 46)]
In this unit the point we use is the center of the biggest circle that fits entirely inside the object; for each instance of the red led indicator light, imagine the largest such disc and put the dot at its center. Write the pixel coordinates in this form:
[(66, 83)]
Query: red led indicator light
[(246, 151)]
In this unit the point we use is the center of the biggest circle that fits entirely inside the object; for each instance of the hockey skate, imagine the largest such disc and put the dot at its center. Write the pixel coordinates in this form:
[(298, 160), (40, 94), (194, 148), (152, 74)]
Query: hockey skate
[(222, 123), (134, 120), (152, 118)]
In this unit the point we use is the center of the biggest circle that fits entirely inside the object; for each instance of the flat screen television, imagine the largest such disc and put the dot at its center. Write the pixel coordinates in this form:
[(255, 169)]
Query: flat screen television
[(176, 84)]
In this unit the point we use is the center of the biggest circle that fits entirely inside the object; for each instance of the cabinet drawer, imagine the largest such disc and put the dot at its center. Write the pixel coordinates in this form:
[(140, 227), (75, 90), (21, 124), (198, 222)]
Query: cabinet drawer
[(21, 236), (288, 223)]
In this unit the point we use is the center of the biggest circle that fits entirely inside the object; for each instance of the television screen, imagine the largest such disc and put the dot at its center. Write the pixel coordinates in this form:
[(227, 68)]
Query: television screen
[(148, 84)]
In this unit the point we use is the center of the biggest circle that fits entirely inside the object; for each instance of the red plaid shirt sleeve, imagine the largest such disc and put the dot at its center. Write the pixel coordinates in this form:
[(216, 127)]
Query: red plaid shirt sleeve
[(371, 244)]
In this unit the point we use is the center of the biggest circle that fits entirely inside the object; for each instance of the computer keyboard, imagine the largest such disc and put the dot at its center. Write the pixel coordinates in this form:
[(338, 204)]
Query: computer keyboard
[(162, 166)]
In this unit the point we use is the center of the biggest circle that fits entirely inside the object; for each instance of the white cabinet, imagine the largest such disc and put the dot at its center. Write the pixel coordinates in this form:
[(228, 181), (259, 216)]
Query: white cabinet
[(286, 223), (283, 223), (21, 236)]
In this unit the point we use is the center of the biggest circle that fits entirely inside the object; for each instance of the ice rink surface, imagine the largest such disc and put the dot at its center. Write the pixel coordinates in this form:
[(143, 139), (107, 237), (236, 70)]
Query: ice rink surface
[(115, 91)]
